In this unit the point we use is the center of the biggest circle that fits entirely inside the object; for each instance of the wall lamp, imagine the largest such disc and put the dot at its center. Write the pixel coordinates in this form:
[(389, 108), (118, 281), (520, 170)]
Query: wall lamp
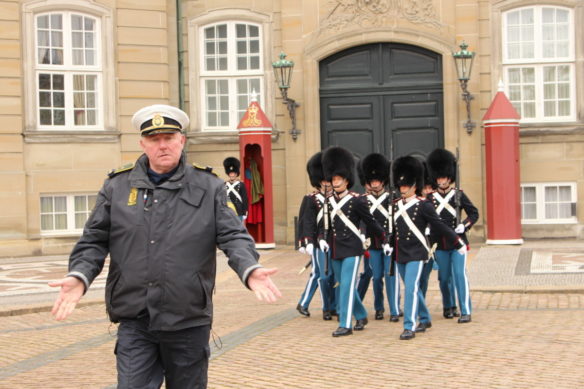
[(463, 60), (283, 73)]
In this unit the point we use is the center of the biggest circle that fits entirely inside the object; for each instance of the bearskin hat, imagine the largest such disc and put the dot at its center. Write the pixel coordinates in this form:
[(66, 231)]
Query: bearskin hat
[(441, 163), (314, 169), (408, 171), (375, 167), (231, 165), (338, 161)]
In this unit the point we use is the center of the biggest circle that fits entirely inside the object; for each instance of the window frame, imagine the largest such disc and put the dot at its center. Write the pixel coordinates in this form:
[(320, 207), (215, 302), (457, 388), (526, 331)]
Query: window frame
[(538, 63), (232, 75), (70, 213), (540, 202), (198, 134), (69, 70), (106, 128)]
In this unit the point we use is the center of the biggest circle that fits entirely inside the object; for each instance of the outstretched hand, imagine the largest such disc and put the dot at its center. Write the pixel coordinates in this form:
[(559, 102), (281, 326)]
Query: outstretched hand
[(264, 288), (71, 292)]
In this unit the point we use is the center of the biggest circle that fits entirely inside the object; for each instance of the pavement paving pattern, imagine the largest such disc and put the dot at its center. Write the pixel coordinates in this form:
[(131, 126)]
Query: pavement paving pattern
[(516, 340)]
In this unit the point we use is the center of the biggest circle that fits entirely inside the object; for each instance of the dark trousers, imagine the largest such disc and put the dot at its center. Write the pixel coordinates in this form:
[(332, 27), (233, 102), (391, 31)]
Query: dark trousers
[(144, 357)]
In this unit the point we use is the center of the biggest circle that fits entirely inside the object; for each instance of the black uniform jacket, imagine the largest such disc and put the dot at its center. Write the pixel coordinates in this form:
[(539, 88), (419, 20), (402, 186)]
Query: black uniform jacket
[(241, 206), (300, 223), (472, 215), (407, 246), (384, 222), (313, 204), (342, 240), (162, 241)]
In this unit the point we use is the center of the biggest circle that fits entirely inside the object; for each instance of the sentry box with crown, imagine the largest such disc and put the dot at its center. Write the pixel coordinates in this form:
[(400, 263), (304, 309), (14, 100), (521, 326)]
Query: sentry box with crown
[(255, 150)]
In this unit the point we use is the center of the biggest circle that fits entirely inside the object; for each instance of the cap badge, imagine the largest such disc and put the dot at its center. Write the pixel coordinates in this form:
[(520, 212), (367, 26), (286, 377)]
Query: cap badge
[(157, 120)]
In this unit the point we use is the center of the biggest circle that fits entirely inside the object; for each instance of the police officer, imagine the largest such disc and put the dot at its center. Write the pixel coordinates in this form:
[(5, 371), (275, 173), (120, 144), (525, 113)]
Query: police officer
[(448, 202), (235, 189), (346, 210), (310, 215), (375, 169), (412, 214), (161, 220)]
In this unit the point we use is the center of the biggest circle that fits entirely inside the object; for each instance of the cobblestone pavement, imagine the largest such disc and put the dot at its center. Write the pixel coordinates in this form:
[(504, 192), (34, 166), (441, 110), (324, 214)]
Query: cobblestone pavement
[(516, 339)]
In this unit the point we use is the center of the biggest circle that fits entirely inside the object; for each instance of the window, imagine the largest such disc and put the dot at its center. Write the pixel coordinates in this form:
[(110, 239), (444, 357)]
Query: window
[(65, 214), (548, 203), (68, 71), (539, 63), (231, 70)]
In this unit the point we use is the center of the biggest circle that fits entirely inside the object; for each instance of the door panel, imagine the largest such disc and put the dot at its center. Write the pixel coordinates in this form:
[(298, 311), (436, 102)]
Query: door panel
[(352, 122), (413, 124), (383, 97)]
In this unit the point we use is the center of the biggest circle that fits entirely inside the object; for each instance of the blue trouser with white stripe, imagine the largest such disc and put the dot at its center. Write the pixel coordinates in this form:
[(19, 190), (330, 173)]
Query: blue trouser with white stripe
[(364, 278), (380, 264), (312, 283), (326, 281), (414, 302), (349, 303), (452, 264), (425, 278)]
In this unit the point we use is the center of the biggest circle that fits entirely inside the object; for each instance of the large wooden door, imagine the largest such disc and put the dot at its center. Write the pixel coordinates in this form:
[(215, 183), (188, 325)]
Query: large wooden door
[(383, 97)]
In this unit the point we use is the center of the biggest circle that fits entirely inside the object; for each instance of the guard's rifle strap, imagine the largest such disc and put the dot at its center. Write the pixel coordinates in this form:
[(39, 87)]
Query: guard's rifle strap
[(326, 230), (392, 224), (457, 186)]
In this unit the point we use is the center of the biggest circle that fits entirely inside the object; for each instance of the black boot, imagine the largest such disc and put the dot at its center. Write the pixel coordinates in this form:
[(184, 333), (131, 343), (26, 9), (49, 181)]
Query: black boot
[(303, 311), (360, 325), (455, 312), (447, 313), (326, 315), (378, 315), (407, 335), (394, 318), (423, 326), (464, 319), (342, 331)]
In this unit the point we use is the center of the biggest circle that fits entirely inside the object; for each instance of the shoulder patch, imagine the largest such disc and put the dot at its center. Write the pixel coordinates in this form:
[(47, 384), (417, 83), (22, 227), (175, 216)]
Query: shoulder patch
[(124, 168), (207, 169)]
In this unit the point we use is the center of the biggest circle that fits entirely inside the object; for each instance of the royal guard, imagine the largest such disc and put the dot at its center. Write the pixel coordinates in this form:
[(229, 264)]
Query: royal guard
[(449, 201), (375, 168), (412, 214), (310, 215), (339, 233), (235, 189)]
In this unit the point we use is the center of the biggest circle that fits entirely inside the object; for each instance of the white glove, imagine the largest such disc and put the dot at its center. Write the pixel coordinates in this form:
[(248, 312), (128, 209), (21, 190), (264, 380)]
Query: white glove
[(244, 217), (323, 245), (462, 250), (309, 249), (302, 250), (387, 249), (460, 228), (427, 231)]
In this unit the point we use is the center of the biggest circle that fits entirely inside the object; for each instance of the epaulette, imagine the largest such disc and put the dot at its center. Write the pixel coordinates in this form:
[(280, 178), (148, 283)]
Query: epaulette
[(207, 169), (124, 168)]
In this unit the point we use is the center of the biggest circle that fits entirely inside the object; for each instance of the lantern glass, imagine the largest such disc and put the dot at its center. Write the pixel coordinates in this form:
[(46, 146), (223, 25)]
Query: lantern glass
[(464, 61), (283, 72)]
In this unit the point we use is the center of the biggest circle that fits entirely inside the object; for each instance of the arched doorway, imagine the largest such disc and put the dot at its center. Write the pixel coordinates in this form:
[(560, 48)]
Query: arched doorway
[(382, 97)]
